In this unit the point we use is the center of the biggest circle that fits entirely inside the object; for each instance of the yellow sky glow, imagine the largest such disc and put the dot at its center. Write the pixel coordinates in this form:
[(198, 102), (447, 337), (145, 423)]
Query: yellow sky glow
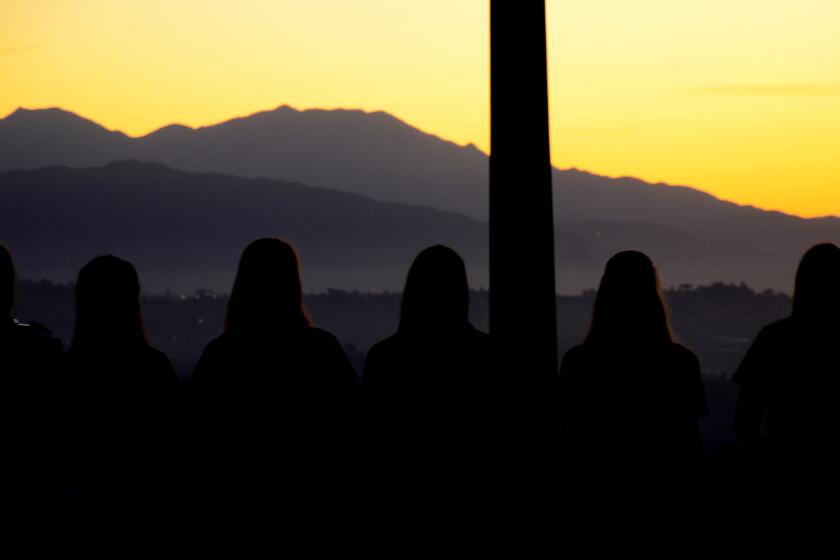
[(740, 99)]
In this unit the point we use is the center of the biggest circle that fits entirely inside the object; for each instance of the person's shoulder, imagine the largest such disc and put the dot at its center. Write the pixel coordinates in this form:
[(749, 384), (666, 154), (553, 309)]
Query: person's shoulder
[(28, 328), (682, 367), (380, 360), (576, 353), (477, 336), (152, 353), (774, 337), (385, 351), (316, 335), (155, 357), (578, 350), (476, 332), (677, 355), (34, 333), (386, 345), (680, 351), (312, 341), (219, 343), (230, 344), (780, 328), (575, 357)]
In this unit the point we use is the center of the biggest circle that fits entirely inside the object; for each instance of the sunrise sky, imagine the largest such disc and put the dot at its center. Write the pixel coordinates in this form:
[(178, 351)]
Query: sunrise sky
[(738, 98)]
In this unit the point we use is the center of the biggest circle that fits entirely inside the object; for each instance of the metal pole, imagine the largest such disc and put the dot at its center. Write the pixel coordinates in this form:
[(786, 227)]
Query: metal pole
[(522, 292)]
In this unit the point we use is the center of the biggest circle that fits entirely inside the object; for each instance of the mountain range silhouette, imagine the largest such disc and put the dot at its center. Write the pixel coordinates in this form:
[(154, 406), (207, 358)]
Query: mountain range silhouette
[(409, 189)]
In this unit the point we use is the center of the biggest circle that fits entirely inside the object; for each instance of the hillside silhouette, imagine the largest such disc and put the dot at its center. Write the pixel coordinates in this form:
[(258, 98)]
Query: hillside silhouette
[(373, 154), (376, 155), (186, 230), (56, 217)]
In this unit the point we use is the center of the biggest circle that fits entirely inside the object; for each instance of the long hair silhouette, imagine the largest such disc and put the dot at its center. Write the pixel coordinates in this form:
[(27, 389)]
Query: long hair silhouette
[(786, 410), (631, 398), (108, 306), (267, 293), (7, 281), (125, 390), (436, 294), (629, 307), (816, 296)]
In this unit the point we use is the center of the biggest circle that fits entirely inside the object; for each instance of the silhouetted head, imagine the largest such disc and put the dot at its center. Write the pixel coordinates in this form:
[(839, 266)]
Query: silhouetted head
[(267, 293), (816, 296), (436, 295), (108, 306), (629, 307), (7, 282)]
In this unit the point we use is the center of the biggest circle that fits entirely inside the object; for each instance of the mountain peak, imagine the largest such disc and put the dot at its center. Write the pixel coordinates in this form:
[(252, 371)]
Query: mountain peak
[(17, 113), (174, 130), (22, 113), (53, 119)]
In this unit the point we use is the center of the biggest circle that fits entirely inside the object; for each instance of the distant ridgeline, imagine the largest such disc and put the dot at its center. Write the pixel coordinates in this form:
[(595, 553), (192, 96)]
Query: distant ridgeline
[(717, 322), (358, 193)]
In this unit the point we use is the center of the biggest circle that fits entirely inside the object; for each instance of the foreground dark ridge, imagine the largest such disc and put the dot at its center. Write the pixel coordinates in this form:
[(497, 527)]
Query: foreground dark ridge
[(55, 218)]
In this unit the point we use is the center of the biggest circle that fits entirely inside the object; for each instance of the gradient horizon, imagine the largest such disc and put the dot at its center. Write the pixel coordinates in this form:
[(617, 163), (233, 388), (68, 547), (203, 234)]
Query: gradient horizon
[(739, 100)]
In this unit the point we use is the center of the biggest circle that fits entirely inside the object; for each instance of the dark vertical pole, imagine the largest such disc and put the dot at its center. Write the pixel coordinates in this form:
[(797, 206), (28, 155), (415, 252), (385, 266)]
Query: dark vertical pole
[(522, 294)]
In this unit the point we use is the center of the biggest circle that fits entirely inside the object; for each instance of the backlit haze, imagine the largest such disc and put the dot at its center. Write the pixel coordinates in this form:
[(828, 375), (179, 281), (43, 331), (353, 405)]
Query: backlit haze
[(740, 99)]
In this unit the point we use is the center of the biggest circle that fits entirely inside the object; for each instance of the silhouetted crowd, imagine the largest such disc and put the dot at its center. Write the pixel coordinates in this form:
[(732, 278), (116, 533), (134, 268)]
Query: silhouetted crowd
[(274, 405)]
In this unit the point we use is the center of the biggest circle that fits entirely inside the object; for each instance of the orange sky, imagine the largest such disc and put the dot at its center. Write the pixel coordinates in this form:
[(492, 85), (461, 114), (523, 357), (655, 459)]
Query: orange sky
[(741, 99)]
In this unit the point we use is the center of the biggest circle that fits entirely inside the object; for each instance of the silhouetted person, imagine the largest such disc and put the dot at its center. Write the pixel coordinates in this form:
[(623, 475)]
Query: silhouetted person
[(632, 398), (272, 391), (127, 391), (428, 387), (790, 376), (32, 396), (269, 347), (435, 347)]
